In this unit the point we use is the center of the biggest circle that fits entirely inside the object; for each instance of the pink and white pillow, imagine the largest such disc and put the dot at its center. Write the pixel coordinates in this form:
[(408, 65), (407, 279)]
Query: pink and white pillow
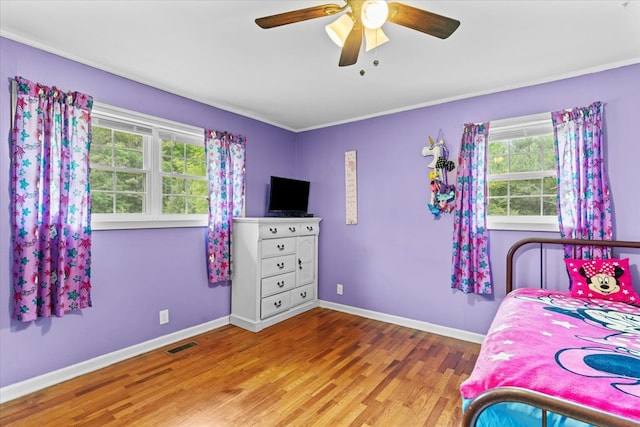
[(608, 279)]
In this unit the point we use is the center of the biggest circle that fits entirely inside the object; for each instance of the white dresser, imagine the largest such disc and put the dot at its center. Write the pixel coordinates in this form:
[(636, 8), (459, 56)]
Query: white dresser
[(274, 270)]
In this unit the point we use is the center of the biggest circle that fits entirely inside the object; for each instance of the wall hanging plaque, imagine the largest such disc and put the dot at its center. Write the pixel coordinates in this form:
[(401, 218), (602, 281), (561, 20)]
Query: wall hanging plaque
[(351, 187)]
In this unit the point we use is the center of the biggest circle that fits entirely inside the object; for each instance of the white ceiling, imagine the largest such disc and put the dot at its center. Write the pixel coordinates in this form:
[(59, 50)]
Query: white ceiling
[(213, 52)]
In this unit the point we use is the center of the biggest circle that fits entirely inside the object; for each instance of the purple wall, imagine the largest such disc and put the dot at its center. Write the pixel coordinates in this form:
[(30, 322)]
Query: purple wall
[(136, 273), (397, 260)]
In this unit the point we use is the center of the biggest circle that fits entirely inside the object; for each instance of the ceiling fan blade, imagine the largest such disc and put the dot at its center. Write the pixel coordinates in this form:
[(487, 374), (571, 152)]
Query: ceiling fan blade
[(352, 45), (421, 20), (298, 15)]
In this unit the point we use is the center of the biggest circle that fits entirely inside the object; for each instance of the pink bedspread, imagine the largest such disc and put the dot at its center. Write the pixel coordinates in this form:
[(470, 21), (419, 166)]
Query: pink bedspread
[(586, 351)]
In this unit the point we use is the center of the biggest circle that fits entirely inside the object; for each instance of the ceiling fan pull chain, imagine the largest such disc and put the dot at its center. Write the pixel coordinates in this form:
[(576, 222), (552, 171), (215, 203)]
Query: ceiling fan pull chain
[(375, 60)]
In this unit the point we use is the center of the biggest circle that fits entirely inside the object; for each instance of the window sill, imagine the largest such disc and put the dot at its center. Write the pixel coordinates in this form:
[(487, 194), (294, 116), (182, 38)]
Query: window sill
[(523, 223), (132, 224)]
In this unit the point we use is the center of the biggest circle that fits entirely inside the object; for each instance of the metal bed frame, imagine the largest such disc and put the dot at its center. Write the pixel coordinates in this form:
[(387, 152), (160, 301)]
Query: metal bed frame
[(539, 400)]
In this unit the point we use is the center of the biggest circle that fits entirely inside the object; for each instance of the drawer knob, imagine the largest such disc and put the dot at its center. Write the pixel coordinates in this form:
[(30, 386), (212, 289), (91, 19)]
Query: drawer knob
[(281, 247), (292, 229), (310, 227), (303, 294), (300, 263), (274, 230), (281, 284), (280, 265), (277, 304)]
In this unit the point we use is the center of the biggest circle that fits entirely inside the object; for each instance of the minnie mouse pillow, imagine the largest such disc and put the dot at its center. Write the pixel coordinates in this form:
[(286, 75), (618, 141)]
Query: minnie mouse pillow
[(607, 279)]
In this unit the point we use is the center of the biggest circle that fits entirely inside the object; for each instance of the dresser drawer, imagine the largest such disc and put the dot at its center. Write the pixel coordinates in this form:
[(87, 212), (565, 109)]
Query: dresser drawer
[(301, 294), (283, 246), (275, 304), (274, 230), (274, 284), (309, 229), (278, 265)]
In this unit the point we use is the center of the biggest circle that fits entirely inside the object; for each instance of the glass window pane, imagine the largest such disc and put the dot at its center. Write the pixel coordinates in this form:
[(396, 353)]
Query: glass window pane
[(101, 180), (526, 145), (525, 187), (127, 158), (166, 185), (497, 206), (129, 203), (497, 188), (167, 166), (197, 205), (178, 165), (101, 202), (179, 150), (100, 155), (173, 165), (525, 162), (549, 153), (127, 140), (549, 161), (173, 205), (547, 142), (549, 185), (195, 152), (196, 168), (497, 148), (128, 181), (525, 206), (198, 188), (167, 148), (498, 165), (178, 186), (172, 185), (100, 136), (549, 205)]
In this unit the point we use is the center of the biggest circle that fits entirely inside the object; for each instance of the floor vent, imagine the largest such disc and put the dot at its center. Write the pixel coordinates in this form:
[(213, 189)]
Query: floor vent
[(182, 347)]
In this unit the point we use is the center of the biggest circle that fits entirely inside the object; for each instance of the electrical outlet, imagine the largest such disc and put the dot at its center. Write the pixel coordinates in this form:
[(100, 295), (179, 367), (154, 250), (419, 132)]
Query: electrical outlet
[(339, 289), (164, 316)]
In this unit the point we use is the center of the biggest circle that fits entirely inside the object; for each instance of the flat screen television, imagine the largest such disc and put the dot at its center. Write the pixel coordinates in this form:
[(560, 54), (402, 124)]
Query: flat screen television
[(288, 197)]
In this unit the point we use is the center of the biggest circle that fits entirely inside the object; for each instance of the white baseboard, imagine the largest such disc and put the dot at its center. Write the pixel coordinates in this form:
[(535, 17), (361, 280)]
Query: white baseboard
[(31, 385), (403, 321)]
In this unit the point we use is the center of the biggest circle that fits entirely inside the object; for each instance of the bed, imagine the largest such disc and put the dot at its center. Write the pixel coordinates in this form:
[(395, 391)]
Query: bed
[(560, 358)]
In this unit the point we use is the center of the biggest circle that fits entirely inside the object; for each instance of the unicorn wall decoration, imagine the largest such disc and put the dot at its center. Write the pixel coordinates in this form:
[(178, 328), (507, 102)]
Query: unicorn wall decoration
[(442, 194)]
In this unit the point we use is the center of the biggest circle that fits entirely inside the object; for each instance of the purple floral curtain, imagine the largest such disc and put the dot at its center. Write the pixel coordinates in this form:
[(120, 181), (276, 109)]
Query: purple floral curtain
[(584, 204), (50, 201), (226, 175), (471, 272)]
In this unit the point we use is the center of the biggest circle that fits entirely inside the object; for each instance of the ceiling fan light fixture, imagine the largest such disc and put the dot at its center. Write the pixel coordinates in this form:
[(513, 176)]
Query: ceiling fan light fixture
[(374, 38), (339, 29), (356, 16), (374, 13)]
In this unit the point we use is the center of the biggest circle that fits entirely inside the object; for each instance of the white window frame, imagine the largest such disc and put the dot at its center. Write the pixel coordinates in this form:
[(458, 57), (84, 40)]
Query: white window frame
[(152, 153), (512, 128)]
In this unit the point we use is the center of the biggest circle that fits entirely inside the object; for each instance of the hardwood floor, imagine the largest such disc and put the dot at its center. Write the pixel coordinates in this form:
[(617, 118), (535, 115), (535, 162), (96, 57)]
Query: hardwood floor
[(321, 368)]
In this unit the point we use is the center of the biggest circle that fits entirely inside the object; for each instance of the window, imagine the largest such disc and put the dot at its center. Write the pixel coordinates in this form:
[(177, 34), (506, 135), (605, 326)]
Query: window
[(146, 172), (118, 174), (184, 176), (521, 174)]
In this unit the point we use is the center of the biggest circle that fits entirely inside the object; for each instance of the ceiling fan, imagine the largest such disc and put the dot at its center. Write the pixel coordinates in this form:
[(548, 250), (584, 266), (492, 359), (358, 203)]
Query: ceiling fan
[(364, 19)]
